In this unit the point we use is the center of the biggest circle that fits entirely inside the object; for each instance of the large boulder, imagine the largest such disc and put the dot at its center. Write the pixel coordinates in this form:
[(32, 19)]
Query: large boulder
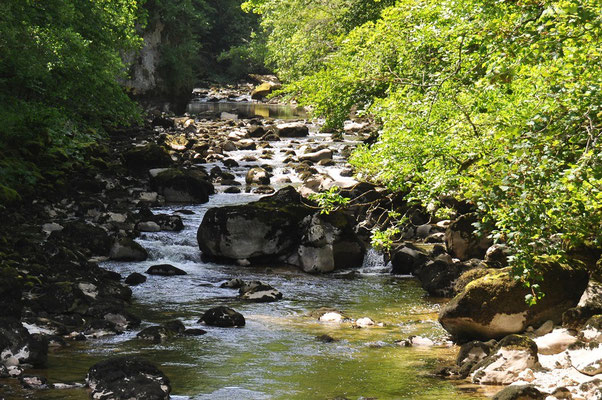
[(519, 392), (292, 129), (264, 89), (281, 229), (147, 157), (124, 378), (494, 305), (83, 235), (182, 185), (462, 241)]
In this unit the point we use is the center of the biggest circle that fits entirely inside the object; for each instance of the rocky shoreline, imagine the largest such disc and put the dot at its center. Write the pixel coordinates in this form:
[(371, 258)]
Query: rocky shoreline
[(53, 291)]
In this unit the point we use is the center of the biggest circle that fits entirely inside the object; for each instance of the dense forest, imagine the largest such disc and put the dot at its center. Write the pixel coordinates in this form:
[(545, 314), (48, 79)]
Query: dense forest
[(496, 103)]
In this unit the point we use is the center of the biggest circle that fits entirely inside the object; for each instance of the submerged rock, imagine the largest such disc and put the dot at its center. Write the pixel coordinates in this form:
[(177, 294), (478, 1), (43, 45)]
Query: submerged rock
[(165, 270), (224, 317), (126, 378), (494, 306)]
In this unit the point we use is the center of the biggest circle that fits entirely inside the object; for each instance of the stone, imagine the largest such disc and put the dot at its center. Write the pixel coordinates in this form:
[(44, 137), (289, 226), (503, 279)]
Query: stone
[(33, 382), (183, 185), (586, 357), (545, 328), (438, 277), (592, 331), (259, 292), (232, 190), (165, 270), (292, 129), (83, 235), (519, 392), (148, 226), (324, 154), (11, 292), (257, 175), (224, 317), (496, 256), (405, 260), (364, 322), (325, 339), (511, 356), (334, 317), (554, 342), (281, 229), (135, 278), (125, 378), (235, 283), (158, 334), (263, 90), (126, 249), (462, 241), (146, 157), (493, 305), (472, 353), (18, 347)]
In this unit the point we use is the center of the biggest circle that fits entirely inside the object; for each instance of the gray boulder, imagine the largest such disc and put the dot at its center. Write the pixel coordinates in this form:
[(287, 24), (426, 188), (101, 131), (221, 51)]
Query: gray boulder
[(182, 185), (125, 249)]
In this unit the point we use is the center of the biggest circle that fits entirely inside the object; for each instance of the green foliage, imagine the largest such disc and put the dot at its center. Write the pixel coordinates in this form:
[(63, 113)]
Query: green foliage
[(496, 102), (383, 239), (59, 65), (330, 200)]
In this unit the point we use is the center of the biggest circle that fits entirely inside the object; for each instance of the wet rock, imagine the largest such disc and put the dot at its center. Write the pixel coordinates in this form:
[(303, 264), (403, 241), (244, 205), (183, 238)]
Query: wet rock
[(224, 317), (148, 226), (519, 392), (472, 353), (232, 190), (326, 339), (292, 129), (124, 378), (235, 283), (194, 332), (158, 334), (511, 356), (259, 292), (256, 131), (462, 241), (126, 249), (165, 270), (101, 327), (182, 185), (264, 189), (18, 347), (33, 382), (493, 306), (258, 175), (135, 278), (147, 157), (324, 154)]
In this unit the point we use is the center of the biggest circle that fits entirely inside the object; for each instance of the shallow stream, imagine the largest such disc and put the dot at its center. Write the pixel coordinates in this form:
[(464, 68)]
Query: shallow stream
[(276, 355)]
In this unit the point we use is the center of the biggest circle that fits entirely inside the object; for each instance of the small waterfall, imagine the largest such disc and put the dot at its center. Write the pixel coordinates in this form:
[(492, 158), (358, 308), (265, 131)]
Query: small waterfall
[(374, 264)]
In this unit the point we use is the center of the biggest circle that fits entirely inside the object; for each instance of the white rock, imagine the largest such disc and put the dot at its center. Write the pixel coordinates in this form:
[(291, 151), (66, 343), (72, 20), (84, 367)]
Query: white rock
[(588, 361), (554, 342), (419, 341), (364, 322), (51, 227), (505, 368), (331, 317)]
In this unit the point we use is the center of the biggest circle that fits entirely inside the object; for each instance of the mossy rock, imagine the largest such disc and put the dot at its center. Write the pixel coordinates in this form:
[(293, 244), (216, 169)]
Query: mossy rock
[(147, 157), (183, 186), (494, 305)]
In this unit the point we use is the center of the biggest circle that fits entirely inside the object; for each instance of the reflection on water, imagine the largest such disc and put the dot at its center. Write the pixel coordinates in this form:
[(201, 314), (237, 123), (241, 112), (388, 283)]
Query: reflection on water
[(246, 109)]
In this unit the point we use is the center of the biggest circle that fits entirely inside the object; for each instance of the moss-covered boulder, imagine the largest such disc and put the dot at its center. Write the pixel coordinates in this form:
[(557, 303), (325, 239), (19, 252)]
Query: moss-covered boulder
[(280, 229), (182, 185), (142, 158), (494, 305)]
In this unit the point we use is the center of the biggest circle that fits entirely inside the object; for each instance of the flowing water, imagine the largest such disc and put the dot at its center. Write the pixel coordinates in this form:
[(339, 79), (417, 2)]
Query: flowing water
[(276, 355)]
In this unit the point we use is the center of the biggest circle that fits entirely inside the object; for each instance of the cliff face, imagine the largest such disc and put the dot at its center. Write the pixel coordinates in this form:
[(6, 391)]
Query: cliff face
[(143, 64)]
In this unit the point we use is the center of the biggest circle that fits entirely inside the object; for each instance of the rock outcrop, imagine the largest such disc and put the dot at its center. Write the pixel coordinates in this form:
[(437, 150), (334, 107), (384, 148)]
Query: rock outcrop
[(281, 229)]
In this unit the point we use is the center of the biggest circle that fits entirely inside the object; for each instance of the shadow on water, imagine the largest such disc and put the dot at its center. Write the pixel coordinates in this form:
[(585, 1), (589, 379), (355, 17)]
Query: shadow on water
[(246, 109)]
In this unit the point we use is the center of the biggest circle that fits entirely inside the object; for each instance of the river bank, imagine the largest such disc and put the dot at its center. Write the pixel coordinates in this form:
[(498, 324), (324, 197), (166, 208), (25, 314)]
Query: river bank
[(78, 299)]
